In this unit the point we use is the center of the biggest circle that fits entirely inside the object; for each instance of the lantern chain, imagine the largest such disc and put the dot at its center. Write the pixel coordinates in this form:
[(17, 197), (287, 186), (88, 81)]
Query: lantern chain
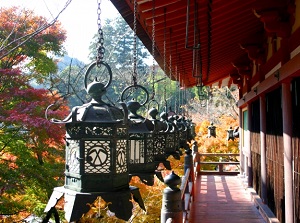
[(165, 88), (134, 76), (100, 49), (170, 57), (153, 48), (170, 63)]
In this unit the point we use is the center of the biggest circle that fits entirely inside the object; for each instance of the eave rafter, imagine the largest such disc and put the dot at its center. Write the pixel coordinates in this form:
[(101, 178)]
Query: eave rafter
[(232, 35)]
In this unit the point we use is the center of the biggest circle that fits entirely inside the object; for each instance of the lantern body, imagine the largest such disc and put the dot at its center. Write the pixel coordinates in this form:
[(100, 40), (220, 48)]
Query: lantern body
[(159, 139), (211, 130), (97, 150), (159, 143), (141, 151), (172, 120), (172, 145), (183, 132), (169, 134), (230, 134), (170, 140), (192, 130)]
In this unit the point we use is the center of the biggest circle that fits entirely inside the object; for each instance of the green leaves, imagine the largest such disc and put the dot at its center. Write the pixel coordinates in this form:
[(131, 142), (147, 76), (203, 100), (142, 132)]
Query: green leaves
[(27, 37), (31, 148), (42, 65)]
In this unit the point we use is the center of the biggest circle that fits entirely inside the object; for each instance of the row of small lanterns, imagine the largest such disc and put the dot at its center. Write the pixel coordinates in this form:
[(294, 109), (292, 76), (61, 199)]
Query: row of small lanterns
[(107, 145)]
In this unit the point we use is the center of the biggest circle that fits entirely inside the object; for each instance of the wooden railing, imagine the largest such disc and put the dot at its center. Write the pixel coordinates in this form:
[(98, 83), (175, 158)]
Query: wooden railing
[(188, 187), (193, 165), (223, 166)]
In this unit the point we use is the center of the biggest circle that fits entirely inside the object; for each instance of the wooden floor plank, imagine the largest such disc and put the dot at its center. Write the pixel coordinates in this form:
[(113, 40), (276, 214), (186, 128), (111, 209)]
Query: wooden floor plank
[(222, 199)]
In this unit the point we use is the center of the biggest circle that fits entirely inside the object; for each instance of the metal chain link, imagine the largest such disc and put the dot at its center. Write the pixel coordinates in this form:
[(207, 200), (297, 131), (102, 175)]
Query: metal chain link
[(176, 68), (153, 49), (100, 49), (165, 87), (134, 76), (170, 63), (170, 57)]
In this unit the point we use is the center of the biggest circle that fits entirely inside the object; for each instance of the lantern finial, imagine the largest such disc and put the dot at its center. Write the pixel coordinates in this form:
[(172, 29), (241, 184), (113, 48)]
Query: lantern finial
[(96, 90)]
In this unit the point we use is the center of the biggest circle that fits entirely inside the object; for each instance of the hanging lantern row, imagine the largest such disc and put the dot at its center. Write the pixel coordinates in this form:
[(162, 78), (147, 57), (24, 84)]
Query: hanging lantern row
[(106, 145), (152, 140)]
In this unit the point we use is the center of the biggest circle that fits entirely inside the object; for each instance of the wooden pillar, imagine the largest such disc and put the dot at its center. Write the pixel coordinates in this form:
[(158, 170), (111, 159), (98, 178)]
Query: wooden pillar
[(248, 147), (263, 171), (287, 146), (242, 160)]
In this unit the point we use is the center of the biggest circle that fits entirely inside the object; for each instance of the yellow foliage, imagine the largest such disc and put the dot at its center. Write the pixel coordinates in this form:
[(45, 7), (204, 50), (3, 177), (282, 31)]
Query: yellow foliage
[(220, 144), (202, 130)]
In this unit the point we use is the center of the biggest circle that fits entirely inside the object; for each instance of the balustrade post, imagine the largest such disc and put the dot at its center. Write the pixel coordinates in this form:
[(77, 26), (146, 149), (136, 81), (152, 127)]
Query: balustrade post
[(221, 167), (195, 147), (188, 163), (171, 204)]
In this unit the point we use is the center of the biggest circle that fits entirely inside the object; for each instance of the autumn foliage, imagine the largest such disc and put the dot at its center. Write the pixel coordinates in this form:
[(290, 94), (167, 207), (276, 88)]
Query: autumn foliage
[(31, 148), (28, 39), (220, 144)]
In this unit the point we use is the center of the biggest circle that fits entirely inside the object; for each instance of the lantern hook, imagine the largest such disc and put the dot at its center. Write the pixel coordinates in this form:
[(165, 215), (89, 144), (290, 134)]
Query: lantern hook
[(103, 75), (196, 46), (131, 91)]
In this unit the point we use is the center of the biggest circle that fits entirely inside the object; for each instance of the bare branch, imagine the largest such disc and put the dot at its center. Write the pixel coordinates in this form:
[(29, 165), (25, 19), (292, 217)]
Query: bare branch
[(27, 37), (15, 132)]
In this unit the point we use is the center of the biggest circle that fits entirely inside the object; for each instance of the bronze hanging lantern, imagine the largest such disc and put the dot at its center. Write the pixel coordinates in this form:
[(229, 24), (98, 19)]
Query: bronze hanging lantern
[(230, 134), (159, 139), (202, 94), (182, 129), (211, 130), (172, 145), (97, 150), (191, 134), (141, 151), (96, 155)]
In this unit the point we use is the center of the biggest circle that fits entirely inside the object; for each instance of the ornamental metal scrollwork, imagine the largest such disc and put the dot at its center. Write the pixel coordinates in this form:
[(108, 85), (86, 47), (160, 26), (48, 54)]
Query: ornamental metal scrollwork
[(97, 157)]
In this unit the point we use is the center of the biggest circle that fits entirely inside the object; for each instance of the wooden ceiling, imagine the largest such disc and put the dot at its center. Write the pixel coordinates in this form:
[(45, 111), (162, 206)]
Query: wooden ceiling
[(201, 40)]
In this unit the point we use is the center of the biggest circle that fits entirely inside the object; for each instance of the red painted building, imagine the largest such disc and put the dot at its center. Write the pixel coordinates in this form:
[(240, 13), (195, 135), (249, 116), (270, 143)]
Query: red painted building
[(255, 45)]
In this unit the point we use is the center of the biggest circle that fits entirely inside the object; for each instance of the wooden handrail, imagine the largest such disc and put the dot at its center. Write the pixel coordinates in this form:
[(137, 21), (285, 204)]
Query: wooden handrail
[(219, 154), (187, 193), (220, 164), (188, 186), (216, 162), (184, 183)]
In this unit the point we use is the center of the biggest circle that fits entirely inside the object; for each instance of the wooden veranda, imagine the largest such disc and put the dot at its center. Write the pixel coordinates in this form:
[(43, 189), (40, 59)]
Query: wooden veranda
[(221, 195), (222, 198)]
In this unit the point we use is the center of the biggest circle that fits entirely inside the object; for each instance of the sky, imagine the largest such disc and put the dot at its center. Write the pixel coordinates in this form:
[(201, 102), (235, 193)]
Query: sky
[(79, 20)]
